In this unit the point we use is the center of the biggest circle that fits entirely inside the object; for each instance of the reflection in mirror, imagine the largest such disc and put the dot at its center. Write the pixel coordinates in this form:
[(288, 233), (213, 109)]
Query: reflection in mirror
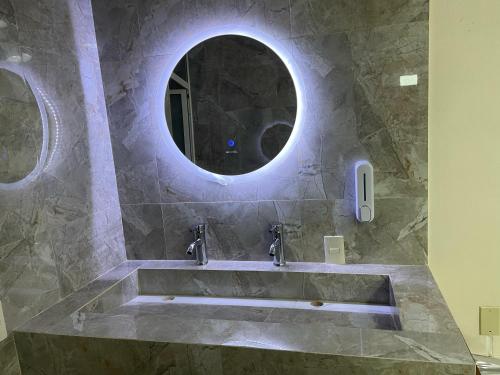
[(230, 105), (274, 139), (21, 128)]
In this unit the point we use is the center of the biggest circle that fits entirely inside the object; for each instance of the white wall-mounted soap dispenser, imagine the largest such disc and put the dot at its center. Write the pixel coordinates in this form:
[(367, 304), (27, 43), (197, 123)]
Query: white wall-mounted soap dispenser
[(365, 208)]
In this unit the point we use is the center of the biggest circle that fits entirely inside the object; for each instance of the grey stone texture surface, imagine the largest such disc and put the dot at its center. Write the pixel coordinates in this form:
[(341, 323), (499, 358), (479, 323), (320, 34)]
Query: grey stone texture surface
[(63, 228), (126, 329), (346, 288), (347, 56), (9, 362), (155, 358)]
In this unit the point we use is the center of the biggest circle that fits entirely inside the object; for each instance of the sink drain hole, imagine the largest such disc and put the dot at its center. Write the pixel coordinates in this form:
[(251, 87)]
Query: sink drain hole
[(316, 303)]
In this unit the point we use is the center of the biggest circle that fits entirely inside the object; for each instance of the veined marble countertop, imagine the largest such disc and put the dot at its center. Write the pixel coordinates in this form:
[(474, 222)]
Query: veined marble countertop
[(428, 332)]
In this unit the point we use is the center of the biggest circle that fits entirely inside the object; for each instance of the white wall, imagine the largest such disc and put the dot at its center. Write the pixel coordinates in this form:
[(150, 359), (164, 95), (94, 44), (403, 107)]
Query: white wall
[(3, 327), (464, 158)]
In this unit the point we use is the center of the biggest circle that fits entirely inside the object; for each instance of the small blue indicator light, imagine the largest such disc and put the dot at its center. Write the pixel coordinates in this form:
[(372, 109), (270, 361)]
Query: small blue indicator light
[(231, 143)]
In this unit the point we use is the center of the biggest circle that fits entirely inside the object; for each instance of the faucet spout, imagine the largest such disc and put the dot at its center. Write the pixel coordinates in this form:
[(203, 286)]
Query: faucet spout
[(193, 246), (199, 246), (275, 245), (276, 249)]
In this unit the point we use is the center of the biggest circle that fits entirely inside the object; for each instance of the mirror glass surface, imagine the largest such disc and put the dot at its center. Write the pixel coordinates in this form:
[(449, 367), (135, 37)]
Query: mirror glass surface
[(21, 128), (231, 105)]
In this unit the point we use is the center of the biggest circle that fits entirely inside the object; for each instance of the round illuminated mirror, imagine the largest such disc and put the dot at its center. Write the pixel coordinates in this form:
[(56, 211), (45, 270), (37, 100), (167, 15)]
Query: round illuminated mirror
[(22, 123), (230, 105)]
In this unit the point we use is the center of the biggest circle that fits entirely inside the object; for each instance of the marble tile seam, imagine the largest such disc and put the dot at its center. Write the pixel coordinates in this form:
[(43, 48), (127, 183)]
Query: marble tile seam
[(165, 241), (447, 362), (369, 28), (354, 30), (298, 199), (377, 268)]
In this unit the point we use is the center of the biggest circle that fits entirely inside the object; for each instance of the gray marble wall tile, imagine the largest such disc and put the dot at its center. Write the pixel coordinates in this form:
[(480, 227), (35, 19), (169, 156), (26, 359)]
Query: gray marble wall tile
[(312, 17), (240, 230), (225, 239), (305, 223), (9, 363), (143, 229), (398, 234), (371, 13), (392, 117), (348, 57), (132, 133), (28, 270), (63, 228), (315, 17)]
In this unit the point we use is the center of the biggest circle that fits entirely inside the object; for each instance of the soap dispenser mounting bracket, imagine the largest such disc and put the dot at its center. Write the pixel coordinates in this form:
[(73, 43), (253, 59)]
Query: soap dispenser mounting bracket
[(365, 208)]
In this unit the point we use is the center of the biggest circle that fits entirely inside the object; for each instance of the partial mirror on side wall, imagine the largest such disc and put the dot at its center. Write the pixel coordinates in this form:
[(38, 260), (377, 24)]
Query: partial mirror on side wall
[(231, 105), (21, 128)]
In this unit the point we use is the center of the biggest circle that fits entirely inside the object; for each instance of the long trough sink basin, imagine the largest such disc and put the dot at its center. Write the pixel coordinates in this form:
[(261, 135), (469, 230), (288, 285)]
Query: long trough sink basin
[(344, 300), (307, 318)]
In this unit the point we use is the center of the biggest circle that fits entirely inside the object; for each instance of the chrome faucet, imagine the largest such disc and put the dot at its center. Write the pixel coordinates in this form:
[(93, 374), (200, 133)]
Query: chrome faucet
[(277, 248), (199, 246)]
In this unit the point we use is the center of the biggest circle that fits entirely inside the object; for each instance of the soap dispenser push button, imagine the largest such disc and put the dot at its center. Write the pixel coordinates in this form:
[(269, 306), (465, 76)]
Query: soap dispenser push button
[(365, 213)]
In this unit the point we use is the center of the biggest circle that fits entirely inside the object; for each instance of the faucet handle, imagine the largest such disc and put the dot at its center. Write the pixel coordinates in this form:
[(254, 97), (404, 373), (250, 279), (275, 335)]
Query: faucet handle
[(199, 228), (190, 249), (275, 228)]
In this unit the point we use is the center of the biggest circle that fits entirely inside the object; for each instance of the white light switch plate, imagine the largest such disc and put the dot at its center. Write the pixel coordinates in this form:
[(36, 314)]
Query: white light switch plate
[(489, 320), (334, 249), (3, 326), (408, 80)]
